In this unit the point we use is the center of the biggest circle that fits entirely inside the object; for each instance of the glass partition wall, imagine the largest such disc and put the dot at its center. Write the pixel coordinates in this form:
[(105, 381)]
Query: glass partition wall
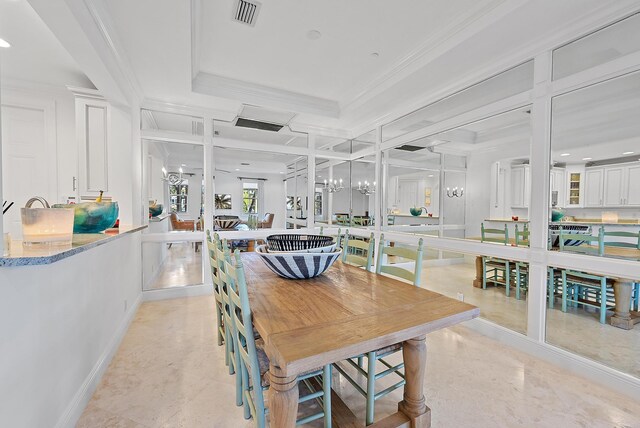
[(488, 177)]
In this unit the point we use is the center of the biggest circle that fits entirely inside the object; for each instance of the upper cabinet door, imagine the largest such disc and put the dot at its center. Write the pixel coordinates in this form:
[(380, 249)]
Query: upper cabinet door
[(613, 180), (92, 128), (518, 182), (632, 191), (594, 180)]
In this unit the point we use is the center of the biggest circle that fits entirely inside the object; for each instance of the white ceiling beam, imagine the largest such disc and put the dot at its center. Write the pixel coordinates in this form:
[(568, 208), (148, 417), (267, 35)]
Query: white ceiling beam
[(261, 95)]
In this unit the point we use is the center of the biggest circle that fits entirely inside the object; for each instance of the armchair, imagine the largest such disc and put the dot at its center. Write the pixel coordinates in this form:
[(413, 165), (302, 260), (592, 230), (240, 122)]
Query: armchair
[(266, 222), (184, 225)]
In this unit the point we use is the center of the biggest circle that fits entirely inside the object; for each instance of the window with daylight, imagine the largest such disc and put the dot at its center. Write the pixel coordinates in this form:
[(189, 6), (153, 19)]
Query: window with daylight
[(250, 198)]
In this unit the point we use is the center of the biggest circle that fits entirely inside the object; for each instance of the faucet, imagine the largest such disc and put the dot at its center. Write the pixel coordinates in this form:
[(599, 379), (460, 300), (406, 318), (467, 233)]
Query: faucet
[(40, 199)]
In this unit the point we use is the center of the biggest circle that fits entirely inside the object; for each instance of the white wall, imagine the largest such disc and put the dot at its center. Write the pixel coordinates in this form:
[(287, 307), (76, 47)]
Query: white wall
[(60, 324)]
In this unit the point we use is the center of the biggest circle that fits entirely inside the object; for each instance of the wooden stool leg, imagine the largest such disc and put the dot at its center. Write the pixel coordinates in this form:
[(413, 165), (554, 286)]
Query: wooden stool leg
[(622, 317), (413, 405), (283, 398)]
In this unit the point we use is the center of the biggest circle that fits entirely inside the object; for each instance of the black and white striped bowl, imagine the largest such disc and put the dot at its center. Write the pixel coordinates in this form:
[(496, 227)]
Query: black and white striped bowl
[(297, 265), (328, 249), (226, 223)]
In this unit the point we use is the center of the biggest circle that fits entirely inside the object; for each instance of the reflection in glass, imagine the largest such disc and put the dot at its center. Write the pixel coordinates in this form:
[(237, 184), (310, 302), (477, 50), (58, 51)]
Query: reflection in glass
[(175, 182), (511, 82), (167, 265), (582, 306), (252, 187), (595, 178), (607, 44)]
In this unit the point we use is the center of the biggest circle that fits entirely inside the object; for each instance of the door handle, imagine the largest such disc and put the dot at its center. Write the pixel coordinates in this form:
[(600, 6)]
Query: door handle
[(74, 184)]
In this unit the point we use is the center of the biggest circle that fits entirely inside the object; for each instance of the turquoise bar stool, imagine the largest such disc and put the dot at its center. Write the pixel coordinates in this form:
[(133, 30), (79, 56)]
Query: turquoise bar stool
[(358, 252), (378, 355), (579, 288), (254, 364), (217, 294), (223, 258), (496, 270)]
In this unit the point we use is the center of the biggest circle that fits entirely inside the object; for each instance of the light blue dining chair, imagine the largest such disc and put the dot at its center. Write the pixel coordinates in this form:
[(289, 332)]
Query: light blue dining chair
[(494, 269), (358, 252), (380, 354), (579, 288), (595, 244), (521, 270), (223, 258), (254, 363), (217, 294)]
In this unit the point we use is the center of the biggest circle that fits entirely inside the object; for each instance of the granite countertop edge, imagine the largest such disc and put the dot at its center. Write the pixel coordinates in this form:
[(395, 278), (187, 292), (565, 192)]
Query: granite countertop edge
[(9, 261)]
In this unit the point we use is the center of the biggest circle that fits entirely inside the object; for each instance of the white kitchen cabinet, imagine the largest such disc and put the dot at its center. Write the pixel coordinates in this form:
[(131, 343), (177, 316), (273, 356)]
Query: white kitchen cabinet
[(92, 129), (632, 186), (614, 186), (574, 185), (520, 189), (557, 184), (593, 187)]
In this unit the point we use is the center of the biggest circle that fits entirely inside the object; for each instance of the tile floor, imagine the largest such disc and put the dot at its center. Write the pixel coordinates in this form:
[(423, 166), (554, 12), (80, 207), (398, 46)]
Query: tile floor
[(169, 372), (182, 266)]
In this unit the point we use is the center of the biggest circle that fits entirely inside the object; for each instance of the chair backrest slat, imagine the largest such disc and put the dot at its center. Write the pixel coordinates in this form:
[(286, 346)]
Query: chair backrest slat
[(598, 239), (623, 234), (500, 235), (401, 272), (350, 245)]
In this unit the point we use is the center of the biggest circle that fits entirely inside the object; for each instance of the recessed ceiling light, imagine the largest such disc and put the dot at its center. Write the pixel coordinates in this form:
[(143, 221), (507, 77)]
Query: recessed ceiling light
[(375, 54), (237, 169), (184, 164), (281, 172), (565, 154), (4, 44), (628, 153), (587, 158), (314, 35), (431, 175)]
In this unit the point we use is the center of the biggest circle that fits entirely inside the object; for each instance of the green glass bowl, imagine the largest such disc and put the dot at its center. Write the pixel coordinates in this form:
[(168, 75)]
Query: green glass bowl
[(556, 215), (155, 210), (415, 211), (92, 217)]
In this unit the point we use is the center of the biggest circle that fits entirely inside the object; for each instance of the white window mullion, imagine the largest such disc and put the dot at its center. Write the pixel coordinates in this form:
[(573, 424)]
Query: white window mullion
[(539, 211)]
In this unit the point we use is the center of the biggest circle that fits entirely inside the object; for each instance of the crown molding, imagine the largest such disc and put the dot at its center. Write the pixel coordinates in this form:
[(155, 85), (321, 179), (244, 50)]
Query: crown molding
[(85, 92), (190, 110), (261, 95), (103, 24)]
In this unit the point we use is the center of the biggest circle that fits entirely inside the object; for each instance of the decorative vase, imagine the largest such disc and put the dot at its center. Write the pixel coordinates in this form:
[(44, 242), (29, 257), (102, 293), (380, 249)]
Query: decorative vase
[(415, 211)]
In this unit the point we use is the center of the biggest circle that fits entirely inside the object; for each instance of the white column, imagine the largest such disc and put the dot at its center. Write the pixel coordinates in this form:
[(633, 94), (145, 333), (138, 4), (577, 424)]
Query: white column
[(311, 181), (539, 212), (378, 213), (1, 216)]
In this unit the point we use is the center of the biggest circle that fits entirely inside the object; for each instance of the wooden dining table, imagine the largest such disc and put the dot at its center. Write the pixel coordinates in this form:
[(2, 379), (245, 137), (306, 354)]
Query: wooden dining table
[(344, 312)]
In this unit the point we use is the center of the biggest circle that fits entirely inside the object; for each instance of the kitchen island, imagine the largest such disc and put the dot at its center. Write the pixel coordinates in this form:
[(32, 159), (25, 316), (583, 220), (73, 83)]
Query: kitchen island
[(63, 313)]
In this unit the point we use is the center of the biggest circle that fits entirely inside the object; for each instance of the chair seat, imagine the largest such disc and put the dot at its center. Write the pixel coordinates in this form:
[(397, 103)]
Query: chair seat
[(497, 263), (263, 362), (588, 281)]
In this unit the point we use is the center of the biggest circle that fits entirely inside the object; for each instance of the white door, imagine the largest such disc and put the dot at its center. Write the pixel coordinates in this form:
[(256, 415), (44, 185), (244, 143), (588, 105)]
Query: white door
[(632, 193), (517, 187), (613, 182), (407, 195), (25, 161), (593, 188)]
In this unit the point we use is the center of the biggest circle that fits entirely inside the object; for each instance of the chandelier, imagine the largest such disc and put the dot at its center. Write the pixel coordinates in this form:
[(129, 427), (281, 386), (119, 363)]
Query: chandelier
[(333, 187), (173, 178), (366, 188), (456, 193)]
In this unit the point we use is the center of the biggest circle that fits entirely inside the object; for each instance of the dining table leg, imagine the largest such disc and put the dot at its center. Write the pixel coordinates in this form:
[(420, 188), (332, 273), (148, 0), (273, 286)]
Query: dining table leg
[(413, 405), (477, 281), (622, 317), (283, 398)]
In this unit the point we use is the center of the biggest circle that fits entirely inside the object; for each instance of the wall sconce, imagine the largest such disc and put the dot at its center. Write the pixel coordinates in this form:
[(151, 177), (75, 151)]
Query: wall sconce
[(456, 193), (333, 187), (367, 189), (171, 177)]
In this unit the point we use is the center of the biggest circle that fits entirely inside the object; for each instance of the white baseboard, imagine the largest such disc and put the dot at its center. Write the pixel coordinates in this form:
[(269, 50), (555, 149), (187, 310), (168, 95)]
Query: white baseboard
[(584, 367), (73, 412), (177, 292)]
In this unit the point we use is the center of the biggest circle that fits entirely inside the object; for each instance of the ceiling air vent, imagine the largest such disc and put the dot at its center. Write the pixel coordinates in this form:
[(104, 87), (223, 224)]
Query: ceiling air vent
[(255, 124), (246, 12)]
